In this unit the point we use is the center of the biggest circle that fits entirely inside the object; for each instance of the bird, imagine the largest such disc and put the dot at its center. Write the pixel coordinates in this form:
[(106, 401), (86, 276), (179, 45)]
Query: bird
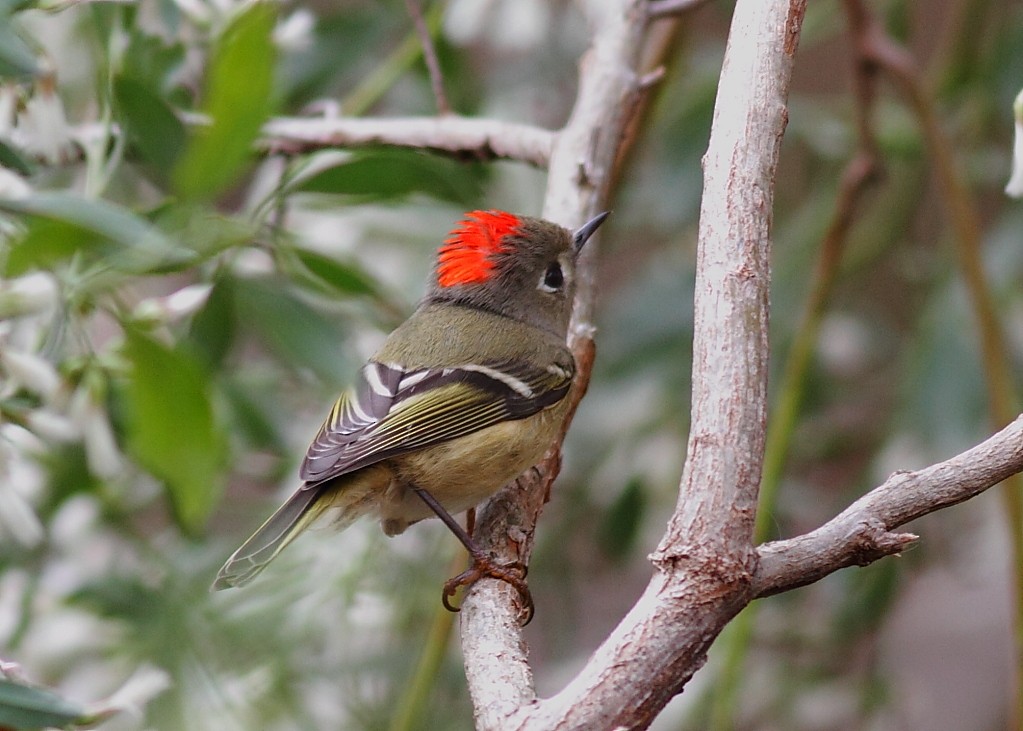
[(461, 399)]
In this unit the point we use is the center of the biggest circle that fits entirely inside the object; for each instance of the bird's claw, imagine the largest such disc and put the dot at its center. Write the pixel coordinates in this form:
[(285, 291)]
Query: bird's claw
[(482, 566)]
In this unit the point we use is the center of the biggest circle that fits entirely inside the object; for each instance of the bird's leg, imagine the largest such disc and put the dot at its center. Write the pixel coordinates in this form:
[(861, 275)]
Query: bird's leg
[(482, 564)]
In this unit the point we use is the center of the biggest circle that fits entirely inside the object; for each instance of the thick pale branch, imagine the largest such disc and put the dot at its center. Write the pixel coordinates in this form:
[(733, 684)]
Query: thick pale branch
[(863, 532), (483, 139), (718, 495)]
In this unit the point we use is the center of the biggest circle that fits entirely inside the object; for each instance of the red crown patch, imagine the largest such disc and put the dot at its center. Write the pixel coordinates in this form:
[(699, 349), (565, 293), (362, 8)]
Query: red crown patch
[(466, 256)]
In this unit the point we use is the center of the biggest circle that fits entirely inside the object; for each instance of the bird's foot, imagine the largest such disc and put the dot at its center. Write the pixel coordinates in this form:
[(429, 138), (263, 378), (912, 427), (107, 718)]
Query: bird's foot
[(485, 566)]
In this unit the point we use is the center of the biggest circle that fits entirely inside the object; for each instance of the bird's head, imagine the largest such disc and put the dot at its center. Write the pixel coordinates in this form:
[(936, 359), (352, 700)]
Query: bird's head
[(517, 266)]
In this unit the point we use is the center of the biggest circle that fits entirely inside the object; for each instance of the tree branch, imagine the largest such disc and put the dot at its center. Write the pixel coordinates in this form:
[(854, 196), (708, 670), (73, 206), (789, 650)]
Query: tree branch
[(482, 139), (497, 669), (667, 8), (706, 561), (860, 171), (862, 532)]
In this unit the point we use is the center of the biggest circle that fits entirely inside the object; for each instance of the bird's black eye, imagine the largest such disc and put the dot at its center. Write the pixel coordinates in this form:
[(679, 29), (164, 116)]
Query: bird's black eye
[(553, 278)]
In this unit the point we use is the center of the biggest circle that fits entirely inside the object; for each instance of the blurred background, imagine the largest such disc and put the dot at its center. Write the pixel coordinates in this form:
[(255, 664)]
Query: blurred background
[(177, 316)]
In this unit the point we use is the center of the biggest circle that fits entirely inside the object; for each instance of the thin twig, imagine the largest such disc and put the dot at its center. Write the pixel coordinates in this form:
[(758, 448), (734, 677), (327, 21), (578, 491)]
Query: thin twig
[(429, 56), (482, 139), (476, 137), (665, 8), (384, 75)]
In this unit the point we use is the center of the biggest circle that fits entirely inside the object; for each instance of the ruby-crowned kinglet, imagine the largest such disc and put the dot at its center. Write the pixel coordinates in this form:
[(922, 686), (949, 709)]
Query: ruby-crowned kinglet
[(462, 398)]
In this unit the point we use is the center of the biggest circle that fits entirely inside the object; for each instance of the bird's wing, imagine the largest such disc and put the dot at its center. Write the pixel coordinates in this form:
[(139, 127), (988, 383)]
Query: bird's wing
[(392, 411)]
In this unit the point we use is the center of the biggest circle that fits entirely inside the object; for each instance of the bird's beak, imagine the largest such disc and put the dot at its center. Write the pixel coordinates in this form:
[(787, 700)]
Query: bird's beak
[(586, 230)]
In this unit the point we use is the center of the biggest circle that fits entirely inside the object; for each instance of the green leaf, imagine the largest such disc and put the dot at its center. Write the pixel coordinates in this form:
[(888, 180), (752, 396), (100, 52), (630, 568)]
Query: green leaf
[(203, 231), (255, 415), (240, 80), (153, 60), (301, 336), (11, 158), (341, 277), (100, 217), (26, 707), (172, 430), (620, 527), (46, 243), (61, 225), (152, 126), (213, 327), (17, 59), (67, 471), (384, 174)]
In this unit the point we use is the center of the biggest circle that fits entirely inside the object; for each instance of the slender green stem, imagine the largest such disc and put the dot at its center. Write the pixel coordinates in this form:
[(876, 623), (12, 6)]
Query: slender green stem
[(377, 83), (963, 46), (414, 700)]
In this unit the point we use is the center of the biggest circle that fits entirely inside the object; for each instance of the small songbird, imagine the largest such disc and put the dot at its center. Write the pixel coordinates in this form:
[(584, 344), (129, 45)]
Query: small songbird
[(463, 397)]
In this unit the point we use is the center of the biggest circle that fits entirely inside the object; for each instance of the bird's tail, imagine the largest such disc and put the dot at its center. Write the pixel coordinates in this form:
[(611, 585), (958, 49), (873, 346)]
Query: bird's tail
[(280, 529)]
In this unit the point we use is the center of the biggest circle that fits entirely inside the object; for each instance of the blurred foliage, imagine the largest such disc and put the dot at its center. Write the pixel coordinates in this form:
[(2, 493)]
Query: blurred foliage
[(27, 707), (179, 310)]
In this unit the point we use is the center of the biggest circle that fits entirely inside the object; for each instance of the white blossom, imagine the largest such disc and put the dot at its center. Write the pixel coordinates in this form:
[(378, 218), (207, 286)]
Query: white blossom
[(1014, 187), (13, 185), (251, 262), (195, 10), (74, 523), (31, 294), (511, 25), (186, 301), (16, 514), (34, 373), (42, 126), (101, 452), (295, 33), (52, 426), (8, 108)]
